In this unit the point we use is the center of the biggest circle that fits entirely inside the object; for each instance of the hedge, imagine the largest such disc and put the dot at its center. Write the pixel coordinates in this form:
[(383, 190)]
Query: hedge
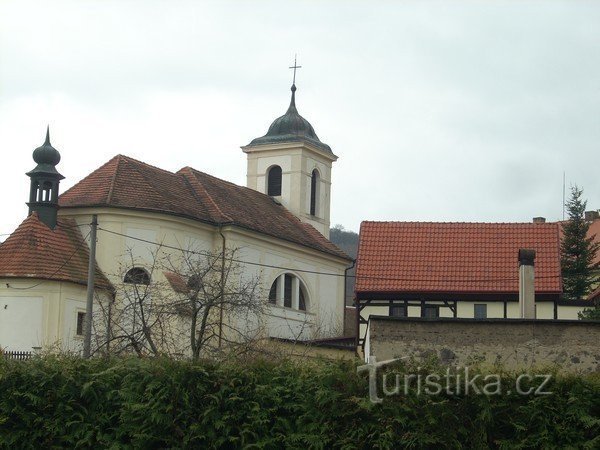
[(61, 402)]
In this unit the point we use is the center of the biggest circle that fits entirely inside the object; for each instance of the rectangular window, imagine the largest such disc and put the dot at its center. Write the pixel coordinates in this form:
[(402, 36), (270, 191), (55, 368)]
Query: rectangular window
[(80, 321), (480, 311), (287, 291), (398, 311), (430, 312)]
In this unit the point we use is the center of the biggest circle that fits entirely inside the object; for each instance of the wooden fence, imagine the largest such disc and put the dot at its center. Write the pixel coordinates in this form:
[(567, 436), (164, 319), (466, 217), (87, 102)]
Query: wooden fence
[(20, 356)]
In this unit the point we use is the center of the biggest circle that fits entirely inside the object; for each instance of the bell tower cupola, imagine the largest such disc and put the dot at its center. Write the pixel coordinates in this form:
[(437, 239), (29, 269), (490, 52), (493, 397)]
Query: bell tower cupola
[(292, 165), (43, 193)]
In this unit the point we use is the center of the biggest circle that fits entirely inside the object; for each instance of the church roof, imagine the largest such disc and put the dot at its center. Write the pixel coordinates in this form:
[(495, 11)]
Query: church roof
[(34, 250), (291, 127), (124, 182), (422, 257)]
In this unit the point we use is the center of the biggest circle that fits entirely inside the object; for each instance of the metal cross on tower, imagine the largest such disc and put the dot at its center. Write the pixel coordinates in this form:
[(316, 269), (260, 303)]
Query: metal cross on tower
[(295, 66)]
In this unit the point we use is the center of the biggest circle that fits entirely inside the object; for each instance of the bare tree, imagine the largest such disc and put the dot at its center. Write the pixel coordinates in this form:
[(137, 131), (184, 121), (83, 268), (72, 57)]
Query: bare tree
[(186, 303), (223, 303)]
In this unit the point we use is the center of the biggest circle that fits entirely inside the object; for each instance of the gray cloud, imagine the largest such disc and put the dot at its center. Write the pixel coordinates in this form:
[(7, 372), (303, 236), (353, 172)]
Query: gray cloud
[(459, 110)]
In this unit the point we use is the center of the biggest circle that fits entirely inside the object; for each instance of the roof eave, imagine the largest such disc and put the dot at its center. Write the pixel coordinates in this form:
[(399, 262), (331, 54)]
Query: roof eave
[(13, 276), (212, 223), (274, 146), (416, 296)]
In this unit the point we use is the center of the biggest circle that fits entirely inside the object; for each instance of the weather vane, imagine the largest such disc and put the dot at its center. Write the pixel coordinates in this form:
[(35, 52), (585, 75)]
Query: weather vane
[(295, 66)]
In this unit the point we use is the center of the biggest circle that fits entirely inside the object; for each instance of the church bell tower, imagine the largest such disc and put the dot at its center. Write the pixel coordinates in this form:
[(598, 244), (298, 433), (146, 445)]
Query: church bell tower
[(43, 193), (293, 166)]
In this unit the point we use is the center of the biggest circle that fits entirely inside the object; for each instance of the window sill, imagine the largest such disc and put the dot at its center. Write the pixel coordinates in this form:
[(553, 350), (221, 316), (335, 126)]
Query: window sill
[(285, 308)]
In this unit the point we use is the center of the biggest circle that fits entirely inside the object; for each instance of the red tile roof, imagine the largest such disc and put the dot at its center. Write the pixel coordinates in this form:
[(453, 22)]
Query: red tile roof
[(594, 232), (414, 257), (177, 282), (34, 250), (124, 182)]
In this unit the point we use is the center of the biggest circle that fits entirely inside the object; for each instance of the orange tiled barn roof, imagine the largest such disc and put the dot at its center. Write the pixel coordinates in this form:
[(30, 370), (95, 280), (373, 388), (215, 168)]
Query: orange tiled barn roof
[(419, 257), (34, 250), (124, 182)]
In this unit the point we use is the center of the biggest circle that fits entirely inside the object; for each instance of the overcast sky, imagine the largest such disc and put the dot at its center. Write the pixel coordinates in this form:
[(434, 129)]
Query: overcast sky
[(438, 111)]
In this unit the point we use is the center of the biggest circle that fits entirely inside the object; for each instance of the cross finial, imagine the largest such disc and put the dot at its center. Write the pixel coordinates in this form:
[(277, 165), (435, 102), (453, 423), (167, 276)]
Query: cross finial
[(295, 66)]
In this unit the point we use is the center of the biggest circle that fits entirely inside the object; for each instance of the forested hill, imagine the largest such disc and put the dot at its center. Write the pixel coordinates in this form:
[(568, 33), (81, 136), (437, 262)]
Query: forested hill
[(348, 241), (345, 239)]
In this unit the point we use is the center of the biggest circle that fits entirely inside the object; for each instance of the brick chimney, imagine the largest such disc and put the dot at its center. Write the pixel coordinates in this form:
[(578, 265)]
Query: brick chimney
[(539, 220), (590, 216), (526, 283)]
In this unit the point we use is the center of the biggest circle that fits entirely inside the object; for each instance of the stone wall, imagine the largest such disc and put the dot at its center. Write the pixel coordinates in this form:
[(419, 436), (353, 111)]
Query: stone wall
[(572, 345)]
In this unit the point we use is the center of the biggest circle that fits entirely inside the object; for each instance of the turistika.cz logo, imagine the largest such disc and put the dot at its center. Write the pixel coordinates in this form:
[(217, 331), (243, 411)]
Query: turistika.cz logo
[(454, 381)]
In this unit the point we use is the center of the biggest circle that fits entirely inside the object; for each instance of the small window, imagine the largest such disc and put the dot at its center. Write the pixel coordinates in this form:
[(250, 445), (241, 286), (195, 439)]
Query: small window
[(274, 181), (80, 322), (314, 194), (430, 312), (137, 275), (480, 311), (398, 311)]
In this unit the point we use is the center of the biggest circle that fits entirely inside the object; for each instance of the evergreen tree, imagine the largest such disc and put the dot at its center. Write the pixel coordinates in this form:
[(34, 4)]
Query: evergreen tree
[(578, 252)]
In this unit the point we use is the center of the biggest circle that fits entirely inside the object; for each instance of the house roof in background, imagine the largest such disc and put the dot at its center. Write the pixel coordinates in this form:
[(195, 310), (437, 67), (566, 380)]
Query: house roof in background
[(413, 257), (593, 232), (34, 250), (124, 182)]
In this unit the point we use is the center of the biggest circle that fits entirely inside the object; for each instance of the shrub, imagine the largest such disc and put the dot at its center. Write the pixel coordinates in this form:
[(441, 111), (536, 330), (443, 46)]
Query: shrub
[(61, 402)]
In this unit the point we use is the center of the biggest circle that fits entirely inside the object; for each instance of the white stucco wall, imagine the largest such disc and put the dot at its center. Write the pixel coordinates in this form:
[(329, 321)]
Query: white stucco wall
[(40, 313), (466, 310), (262, 256), (21, 322), (297, 161)]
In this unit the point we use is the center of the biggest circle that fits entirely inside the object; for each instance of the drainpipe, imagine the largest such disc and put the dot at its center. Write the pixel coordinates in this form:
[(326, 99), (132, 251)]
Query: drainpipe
[(346, 288), (222, 286), (526, 283)]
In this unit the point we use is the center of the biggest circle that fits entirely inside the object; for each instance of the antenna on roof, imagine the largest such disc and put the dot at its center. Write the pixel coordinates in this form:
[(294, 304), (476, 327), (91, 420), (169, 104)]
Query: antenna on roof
[(563, 202)]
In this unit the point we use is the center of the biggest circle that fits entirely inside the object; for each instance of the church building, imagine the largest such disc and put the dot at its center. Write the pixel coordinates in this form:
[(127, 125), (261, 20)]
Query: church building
[(278, 227)]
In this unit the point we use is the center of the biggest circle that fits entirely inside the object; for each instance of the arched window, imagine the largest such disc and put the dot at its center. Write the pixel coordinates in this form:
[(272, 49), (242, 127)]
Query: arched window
[(137, 275), (314, 192), (274, 181), (273, 293), (288, 291)]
